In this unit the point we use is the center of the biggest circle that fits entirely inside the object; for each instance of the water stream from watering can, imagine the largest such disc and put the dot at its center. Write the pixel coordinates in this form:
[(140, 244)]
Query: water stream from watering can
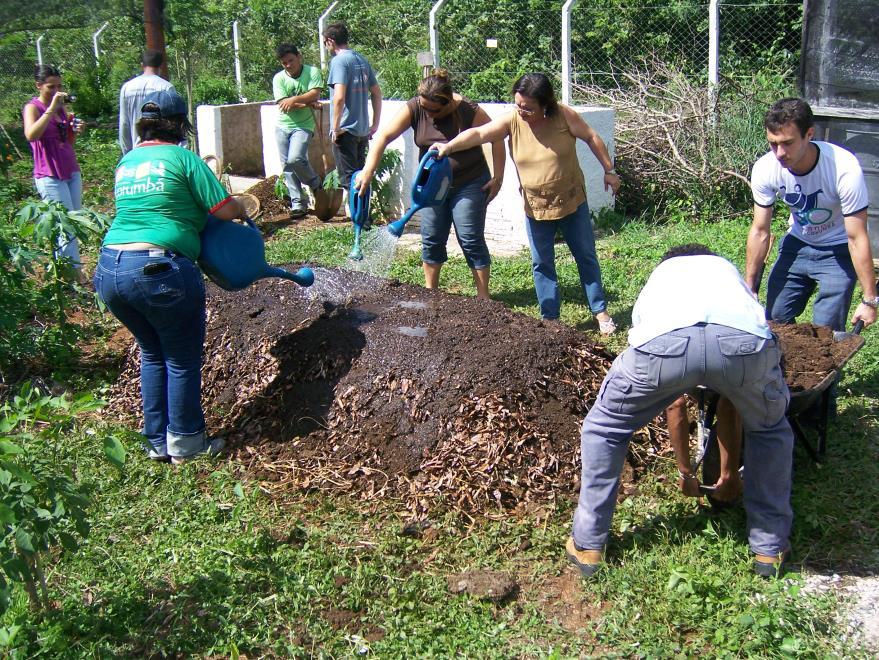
[(379, 247)]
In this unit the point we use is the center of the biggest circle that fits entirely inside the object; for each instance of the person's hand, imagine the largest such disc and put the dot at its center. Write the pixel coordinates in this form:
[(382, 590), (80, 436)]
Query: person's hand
[(78, 125), (728, 488), (492, 188), (864, 313), (689, 484), (335, 135), (372, 131), (361, 182), (612, 181), (288, 104), (442, 148), (57, 101)]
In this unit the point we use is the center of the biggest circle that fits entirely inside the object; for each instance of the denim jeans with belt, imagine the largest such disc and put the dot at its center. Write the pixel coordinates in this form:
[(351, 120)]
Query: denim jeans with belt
[(577, 230), (159, 296), (639, 385), (796, 272), (293, 150), (465, 208)]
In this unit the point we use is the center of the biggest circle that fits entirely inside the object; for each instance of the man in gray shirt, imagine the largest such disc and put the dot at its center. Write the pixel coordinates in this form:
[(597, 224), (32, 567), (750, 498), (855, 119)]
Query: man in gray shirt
[(134, 93)]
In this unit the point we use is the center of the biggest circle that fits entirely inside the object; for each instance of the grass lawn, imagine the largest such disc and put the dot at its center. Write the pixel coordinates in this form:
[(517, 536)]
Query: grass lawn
[(198, 561)]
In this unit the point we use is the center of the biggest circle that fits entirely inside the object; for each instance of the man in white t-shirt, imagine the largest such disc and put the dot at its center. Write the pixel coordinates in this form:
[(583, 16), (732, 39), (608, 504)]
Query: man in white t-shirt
[(134, 94), (827, 244), (694, 323)]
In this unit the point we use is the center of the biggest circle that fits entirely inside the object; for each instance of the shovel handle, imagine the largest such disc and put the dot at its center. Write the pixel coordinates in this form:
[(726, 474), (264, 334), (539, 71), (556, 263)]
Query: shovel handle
[(858, 326)]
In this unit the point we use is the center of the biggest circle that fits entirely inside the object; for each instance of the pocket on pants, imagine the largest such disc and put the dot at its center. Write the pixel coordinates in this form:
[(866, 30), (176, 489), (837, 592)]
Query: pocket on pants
[(743, 358), (164, 289), (776, 397), (660, 361)]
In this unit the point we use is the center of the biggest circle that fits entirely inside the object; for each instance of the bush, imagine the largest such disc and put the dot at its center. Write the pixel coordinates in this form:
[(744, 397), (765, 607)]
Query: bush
[(211, 90)]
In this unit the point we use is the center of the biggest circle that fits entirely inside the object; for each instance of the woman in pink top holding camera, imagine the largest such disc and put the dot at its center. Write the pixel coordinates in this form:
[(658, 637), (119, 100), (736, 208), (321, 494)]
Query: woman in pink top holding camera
[(52, 131)]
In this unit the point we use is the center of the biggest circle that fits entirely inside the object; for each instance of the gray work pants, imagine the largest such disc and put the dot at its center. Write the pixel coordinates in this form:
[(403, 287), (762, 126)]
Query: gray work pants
[(643, 381)]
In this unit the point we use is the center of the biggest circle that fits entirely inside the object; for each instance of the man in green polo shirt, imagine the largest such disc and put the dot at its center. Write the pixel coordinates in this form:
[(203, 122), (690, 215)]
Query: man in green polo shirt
[(296, 87)]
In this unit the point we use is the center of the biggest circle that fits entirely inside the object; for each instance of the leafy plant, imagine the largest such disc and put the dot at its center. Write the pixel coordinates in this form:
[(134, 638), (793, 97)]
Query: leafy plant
[(45, 223), (281, 188), (42, 505), (380, 199)]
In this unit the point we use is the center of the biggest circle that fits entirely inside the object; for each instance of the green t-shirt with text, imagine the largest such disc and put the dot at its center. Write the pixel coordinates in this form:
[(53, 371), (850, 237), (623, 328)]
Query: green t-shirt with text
[(284, 86), (163, 196)]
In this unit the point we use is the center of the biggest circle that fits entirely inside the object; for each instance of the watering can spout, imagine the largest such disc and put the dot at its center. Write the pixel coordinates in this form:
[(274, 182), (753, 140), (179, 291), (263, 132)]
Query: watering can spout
[(396, 228), (303, 277)]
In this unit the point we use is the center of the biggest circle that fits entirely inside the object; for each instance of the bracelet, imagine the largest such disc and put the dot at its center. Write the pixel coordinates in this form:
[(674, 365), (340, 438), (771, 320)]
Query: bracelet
[(688, 475), (610, 171)]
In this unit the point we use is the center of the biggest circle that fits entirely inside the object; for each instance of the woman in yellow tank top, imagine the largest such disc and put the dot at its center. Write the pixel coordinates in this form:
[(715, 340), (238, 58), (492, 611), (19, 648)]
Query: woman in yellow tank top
[(543, 145)]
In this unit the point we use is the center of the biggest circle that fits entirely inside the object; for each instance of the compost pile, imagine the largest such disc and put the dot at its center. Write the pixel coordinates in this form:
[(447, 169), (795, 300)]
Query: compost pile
[(382, 389), (809, 353), (272, 207)]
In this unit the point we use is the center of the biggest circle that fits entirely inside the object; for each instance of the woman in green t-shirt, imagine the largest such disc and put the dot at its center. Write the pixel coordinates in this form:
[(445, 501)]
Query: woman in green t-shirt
[(148, 277)]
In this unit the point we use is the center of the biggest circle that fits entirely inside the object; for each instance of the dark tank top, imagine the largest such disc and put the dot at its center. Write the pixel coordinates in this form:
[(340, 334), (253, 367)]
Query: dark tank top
[(466, 165)]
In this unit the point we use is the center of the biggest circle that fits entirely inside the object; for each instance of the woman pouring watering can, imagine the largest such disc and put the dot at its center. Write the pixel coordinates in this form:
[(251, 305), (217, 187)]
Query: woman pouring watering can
[(543, 136), (438, 114), (148, 277)]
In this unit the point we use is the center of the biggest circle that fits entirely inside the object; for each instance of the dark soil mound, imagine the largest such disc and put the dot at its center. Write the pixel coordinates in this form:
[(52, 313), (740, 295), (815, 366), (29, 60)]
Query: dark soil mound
[(809, 353), (436, 399)]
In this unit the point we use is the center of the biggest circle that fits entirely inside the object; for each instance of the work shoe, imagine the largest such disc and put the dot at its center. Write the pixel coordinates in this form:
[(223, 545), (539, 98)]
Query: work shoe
[(771, 566), (587, 561), (297, 213), (212, 447)]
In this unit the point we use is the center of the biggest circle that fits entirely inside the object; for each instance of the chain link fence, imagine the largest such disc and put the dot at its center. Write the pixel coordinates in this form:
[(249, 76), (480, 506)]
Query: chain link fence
[(484, 44)]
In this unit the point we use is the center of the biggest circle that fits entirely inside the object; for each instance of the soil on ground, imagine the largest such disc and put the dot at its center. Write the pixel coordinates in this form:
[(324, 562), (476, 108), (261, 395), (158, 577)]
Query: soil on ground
[(810, 353), (378, 388), (275, 212)]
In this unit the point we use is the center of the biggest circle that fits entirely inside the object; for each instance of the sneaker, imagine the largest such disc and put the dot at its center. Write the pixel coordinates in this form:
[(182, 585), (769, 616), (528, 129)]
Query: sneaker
[(214, 447), (771, 566), (159, 457), (588, 562), (297, 213)]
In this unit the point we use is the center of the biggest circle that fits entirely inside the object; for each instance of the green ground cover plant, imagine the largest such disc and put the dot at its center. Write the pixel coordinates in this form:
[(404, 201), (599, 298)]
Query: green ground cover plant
[(200, 561)]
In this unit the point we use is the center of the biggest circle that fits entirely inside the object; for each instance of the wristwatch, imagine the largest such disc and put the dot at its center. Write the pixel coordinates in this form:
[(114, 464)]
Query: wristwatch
[(872, 302)]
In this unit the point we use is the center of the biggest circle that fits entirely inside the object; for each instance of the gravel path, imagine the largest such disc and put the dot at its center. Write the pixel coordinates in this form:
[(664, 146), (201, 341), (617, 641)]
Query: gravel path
[(859, 620)]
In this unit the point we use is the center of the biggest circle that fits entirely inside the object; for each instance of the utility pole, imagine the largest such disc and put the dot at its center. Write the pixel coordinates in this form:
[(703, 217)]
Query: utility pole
[(153, 23)]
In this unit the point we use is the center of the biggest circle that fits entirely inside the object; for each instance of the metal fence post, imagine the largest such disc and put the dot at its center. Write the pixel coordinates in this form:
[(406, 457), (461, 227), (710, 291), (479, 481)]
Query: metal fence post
[(566, 50), (40, 49), (320, 33), (236, 49), (95, 37), (713, 53), (434, 31)]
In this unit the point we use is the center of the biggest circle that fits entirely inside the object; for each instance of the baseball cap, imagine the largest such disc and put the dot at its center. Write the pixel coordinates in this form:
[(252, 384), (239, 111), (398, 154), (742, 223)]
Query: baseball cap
[(162, 105)]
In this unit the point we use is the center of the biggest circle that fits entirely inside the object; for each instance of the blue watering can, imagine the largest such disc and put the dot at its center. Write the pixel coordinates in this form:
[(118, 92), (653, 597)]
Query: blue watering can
[(233, 256), (430, 188), (358, 209)]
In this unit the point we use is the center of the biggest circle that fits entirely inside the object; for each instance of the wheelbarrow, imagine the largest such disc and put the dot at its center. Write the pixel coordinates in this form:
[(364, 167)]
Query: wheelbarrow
[(816, 400)]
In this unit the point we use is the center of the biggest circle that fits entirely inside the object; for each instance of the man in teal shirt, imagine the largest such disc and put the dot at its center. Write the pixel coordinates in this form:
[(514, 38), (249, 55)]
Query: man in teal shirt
[(296, 87)]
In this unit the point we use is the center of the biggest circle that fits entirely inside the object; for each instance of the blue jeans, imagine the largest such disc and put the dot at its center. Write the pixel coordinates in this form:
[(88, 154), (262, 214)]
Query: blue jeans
[(799, 268), (69, 193), (577, 230), (644, 380), (165, 311), (293, 150), (465, 208)]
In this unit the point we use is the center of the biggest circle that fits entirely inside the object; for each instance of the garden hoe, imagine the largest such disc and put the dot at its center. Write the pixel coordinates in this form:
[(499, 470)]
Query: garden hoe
[(233, 256)]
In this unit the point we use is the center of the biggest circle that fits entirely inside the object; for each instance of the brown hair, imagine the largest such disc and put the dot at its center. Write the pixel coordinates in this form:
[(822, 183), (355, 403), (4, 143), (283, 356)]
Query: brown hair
[(538, 87), (437, 87), (788, 110)]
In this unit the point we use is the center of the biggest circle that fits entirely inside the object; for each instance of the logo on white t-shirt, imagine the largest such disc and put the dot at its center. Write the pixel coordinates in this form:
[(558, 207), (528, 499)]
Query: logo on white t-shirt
[(804, 207)]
